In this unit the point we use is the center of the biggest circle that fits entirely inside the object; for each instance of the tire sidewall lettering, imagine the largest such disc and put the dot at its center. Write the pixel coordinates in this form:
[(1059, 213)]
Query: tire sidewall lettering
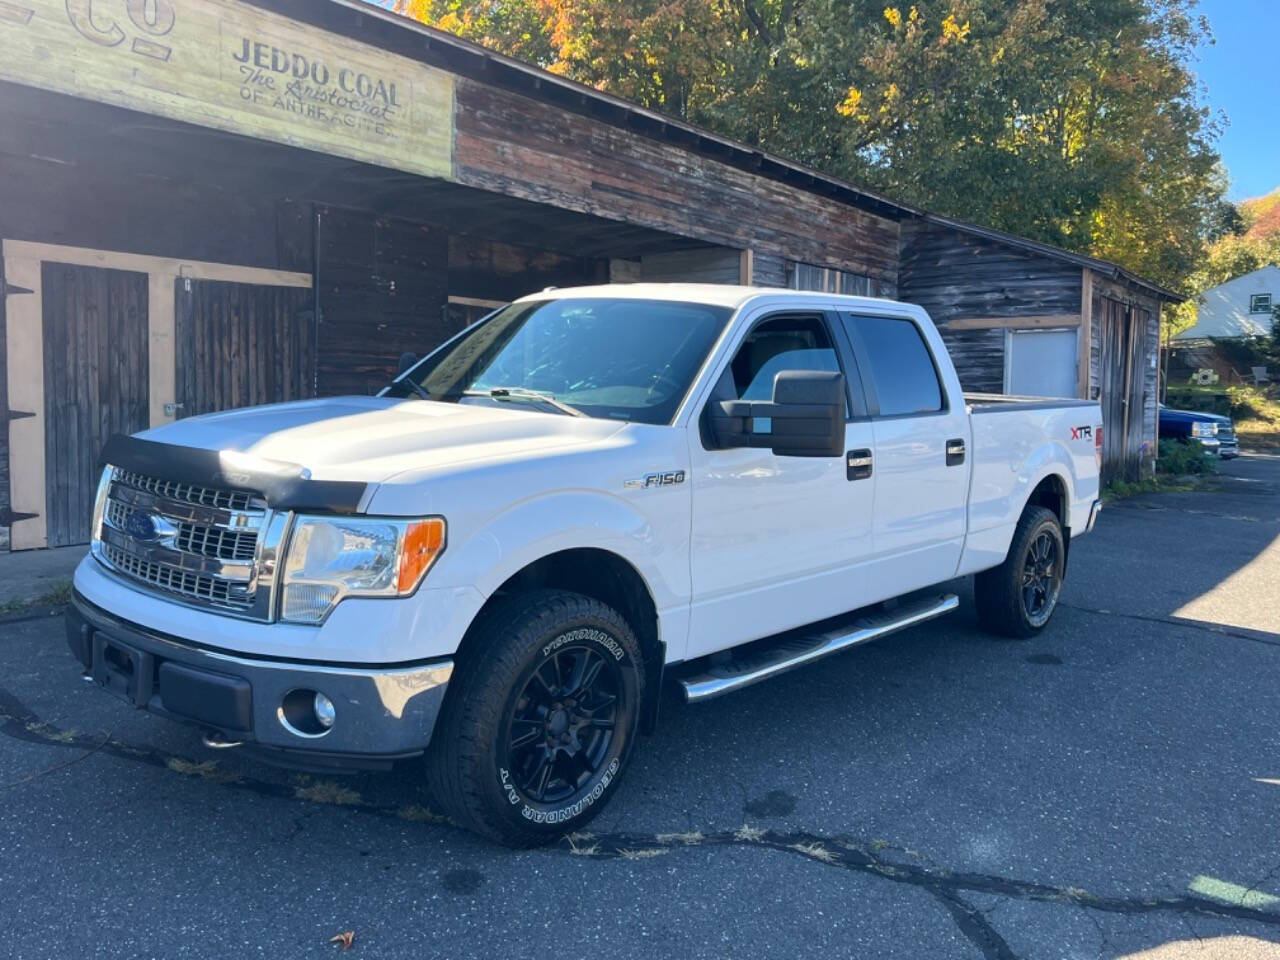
[(592, 634)]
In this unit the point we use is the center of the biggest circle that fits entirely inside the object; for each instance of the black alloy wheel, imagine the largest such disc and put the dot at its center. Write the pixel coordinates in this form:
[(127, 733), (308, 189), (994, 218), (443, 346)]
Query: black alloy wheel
[(1018, 597), (1041, 578), (563, 722), (539, 719)]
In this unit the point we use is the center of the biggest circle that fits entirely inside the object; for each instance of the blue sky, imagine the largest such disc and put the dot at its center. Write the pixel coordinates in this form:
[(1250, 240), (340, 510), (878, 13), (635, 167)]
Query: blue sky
[(1241, 73)]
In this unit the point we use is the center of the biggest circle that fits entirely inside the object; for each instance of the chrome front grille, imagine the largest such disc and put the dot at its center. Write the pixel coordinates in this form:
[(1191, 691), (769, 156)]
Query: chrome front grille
[(161, 575), (188, 492), (199, 544)]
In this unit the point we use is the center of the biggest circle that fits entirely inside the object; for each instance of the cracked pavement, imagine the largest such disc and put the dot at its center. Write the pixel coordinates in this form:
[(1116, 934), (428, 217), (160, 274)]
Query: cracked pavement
[(1110, 789)]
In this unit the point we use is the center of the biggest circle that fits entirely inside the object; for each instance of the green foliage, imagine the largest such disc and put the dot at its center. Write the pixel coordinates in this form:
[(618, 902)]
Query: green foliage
[(1180, 458), (1075, 122)]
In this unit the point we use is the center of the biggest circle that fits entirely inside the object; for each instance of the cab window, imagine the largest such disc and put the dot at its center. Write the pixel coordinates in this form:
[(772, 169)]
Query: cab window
[(777, 344), (901, 367)]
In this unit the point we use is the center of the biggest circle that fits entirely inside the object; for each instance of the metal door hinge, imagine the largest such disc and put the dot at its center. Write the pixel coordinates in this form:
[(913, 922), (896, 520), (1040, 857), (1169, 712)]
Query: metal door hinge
[(8, 288), (17, 414), (171, 409), (9, 517)]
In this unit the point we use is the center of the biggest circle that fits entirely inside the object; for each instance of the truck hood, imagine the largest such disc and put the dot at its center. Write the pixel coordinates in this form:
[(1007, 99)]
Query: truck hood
[(372, 438)]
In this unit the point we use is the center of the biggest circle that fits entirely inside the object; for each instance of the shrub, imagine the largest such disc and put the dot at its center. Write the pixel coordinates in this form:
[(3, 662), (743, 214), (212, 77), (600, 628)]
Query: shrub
[(1180, 458)]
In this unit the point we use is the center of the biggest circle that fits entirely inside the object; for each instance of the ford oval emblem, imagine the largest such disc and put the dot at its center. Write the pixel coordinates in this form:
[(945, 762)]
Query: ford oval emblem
[(140, 526)]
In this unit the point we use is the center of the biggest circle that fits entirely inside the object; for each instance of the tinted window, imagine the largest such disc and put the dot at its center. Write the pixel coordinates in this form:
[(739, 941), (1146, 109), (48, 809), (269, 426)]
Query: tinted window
[(621, 358), (903, 371), (780, 343)]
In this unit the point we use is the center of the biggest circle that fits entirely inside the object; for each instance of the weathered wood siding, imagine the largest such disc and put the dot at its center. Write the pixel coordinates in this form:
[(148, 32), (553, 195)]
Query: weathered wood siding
[(95, 382), (978, 356), (488, 270), (522, 148), (692, 266), (383, 289), (1124, 339), (241, 344), (768, 270), (957, 276)]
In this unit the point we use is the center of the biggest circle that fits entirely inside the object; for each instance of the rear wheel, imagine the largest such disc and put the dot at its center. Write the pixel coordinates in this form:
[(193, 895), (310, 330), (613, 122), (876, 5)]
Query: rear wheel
[(539, 720), (1018, 597)]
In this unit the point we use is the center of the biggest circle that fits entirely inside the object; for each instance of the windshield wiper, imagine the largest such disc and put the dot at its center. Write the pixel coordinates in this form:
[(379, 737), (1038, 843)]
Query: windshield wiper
[(415, 386), (531, 396)]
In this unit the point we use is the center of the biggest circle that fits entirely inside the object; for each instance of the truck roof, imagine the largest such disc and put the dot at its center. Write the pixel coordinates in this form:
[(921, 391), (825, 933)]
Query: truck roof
[(711, 294)]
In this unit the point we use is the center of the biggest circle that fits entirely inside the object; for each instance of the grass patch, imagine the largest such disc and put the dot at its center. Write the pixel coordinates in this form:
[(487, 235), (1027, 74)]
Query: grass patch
[(57, 595), (1181, 466), (1256, 412)]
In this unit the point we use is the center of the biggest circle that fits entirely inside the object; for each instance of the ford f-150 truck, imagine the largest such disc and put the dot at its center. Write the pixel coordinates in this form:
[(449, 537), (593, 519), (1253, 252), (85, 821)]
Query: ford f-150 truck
[(492, 567)]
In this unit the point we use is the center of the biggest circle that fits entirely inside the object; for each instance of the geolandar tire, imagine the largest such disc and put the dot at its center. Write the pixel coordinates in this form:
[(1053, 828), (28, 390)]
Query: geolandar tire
[(1017, 598), (539, 719)]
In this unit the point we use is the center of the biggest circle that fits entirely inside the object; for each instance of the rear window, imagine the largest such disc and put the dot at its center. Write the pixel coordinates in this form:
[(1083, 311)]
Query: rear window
[(906, 380)]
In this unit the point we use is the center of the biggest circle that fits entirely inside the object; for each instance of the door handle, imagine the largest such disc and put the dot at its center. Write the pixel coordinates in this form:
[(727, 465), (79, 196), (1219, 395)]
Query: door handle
[(955, 452), (858, 464)]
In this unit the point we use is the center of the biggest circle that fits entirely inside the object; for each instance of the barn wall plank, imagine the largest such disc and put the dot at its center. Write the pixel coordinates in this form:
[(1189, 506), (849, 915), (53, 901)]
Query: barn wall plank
[(95, 360), (692, 266), (383, 290), (769, 270), (978, 356), (955, 275), (241, 344), (523, 148), (487, 270)]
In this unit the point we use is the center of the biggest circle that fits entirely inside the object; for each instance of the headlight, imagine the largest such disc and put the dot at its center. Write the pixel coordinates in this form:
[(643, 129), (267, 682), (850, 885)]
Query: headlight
[(1204, 429), (100, 502), (330, 558)]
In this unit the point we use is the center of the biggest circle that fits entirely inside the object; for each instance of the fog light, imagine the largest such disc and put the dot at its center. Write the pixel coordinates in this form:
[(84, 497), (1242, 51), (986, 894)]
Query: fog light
[(325, 713)]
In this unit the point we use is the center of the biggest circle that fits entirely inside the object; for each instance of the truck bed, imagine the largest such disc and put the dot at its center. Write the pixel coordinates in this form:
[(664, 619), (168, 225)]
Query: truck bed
[(995, 402)]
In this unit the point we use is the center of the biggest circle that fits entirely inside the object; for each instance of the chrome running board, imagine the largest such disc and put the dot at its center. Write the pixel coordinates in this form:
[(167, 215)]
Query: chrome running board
[(762, 659)]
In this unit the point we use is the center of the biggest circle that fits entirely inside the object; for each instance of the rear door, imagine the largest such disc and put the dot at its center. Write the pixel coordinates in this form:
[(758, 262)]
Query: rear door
[(777, 541), (95, 383), (242, 344), (921, 455)]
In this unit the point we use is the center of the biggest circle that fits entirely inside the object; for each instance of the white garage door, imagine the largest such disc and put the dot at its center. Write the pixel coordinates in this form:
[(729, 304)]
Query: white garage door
[(1041, 363)]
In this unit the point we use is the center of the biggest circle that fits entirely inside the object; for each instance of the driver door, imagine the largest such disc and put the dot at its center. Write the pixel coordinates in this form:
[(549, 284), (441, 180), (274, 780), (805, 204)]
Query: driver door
[(777, 540)]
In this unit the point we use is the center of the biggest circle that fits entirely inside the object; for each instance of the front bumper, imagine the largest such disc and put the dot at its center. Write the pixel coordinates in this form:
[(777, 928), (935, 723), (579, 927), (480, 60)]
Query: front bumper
[(382, 713)]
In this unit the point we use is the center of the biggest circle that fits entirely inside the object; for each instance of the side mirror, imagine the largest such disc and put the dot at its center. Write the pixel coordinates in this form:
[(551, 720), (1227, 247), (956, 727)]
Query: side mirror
[(804, 419), (407, 360)]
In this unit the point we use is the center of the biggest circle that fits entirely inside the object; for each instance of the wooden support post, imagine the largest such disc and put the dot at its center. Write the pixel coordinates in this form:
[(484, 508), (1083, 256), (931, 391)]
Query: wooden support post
[(1084, 350), (25, 343)]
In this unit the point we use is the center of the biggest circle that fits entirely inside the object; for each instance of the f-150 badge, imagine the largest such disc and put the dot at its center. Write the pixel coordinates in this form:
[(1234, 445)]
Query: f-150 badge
[(655, 480)]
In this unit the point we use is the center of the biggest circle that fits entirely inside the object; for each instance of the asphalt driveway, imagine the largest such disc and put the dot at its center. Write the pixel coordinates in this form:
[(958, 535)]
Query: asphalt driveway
[(1109, 789)]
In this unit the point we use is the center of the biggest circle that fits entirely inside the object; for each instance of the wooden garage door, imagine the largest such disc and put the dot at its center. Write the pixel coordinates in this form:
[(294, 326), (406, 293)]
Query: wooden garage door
[(241, 344), (95, 383)]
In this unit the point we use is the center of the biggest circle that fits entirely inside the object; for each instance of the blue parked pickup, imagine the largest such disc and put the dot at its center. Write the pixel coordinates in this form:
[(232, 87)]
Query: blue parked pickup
[(1217, 434)]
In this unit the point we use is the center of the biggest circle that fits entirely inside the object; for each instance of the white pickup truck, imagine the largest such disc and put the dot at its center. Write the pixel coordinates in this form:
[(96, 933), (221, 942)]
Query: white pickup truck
[(495, 563)]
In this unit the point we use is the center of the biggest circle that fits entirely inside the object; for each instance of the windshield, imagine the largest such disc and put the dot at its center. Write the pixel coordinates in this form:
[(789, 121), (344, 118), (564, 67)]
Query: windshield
[(618, 358)]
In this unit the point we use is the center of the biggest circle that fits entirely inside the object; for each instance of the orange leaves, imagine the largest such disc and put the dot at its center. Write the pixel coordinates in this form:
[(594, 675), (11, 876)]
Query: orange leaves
[(344, 939)]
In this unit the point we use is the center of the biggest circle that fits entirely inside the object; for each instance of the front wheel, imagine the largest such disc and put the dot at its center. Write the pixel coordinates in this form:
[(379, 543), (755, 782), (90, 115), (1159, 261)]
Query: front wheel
[(1018, 597), (540, 718)]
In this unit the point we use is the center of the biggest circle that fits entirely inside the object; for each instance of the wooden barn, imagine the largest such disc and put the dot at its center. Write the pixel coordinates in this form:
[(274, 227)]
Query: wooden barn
[(216, 203)]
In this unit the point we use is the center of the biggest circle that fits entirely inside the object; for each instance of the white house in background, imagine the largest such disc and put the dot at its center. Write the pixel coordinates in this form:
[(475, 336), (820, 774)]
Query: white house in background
[(1237, 308)]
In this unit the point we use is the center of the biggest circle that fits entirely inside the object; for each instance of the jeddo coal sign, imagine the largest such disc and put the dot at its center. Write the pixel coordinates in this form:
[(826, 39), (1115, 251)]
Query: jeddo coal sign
[(330, 93)]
